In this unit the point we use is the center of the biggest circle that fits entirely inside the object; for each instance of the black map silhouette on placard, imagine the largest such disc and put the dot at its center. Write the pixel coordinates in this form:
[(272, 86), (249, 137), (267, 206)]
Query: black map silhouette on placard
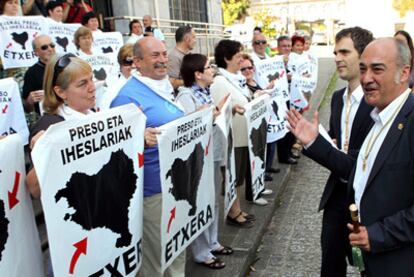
[(63, 42), (100, 74), (272, 77), (186, 176), (4, 224), (229, 151), (258, 139), (107, 50), (102, 200), (20, 38), (275, 108)]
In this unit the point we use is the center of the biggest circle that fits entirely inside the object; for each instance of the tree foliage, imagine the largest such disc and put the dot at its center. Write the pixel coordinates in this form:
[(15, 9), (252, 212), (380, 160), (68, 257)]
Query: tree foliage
[(267, 23), (234, 10), (403, 6)]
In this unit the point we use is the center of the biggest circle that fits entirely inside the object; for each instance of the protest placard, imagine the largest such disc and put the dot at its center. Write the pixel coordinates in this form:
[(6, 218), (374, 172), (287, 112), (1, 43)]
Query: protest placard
[(256, 113), (90, 172), (12, 118), (187, 176), (224, 122), (20, 251)]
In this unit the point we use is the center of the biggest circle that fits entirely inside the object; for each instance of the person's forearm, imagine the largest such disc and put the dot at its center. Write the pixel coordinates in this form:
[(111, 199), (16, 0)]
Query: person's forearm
[(66, 12), (27, 6)]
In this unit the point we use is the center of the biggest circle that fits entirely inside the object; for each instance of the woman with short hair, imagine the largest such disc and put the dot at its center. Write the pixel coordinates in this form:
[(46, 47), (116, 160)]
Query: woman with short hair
[(197, 74), (83, 40), (228, 57)]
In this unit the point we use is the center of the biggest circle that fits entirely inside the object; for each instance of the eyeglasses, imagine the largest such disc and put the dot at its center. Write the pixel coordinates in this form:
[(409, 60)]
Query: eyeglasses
[(211, 66), (258, 42), (127, 62), (246, 68), (46, 46), (60, 65)]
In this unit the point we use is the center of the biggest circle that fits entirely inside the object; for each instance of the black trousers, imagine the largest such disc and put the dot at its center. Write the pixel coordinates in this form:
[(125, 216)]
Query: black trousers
[(334, 238), (284, 147)]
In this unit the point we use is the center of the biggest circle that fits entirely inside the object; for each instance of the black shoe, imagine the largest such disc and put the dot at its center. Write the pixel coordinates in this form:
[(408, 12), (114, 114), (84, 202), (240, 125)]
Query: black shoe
[(295, 156), (268, 178), (290, 160), (273, 170)]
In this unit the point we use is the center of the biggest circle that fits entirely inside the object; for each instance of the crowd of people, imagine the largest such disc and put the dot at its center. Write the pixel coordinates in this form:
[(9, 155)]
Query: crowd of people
[(378, 74)]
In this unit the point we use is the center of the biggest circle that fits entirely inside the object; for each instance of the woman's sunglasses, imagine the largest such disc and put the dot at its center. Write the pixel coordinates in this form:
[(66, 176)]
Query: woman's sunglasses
[(127, 62), (60, 65)]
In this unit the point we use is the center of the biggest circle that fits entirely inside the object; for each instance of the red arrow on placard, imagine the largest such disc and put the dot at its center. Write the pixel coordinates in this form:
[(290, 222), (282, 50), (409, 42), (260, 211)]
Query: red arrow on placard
[(140, 160), (9, 45), (208, 145), (13, 201), (252, 165), (4, 110), (81, 247), (283, 73), (172, 216)]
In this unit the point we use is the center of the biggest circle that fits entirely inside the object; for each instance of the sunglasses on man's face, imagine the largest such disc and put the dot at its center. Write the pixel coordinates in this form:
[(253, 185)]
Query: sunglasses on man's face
[(127, 62), (46, 46), (246, 68), (258, 42), (60, 65)]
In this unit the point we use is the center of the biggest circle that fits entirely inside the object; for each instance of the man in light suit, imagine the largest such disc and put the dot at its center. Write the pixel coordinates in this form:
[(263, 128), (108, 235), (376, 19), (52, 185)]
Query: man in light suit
[(381, 175), (349, 123)]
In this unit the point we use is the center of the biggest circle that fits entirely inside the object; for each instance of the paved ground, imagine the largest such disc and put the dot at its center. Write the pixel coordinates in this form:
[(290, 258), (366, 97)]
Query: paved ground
[(291, 244)]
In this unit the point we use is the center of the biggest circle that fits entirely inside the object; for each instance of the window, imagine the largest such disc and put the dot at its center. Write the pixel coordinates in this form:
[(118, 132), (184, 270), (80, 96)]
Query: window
[(189, 10)]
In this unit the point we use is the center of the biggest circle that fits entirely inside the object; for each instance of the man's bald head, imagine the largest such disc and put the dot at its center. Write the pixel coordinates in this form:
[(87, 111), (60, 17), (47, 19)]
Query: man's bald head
[(151, 58)]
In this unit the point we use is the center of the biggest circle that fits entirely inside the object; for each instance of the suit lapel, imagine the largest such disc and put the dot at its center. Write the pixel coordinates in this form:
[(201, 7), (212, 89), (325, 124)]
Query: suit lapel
[(339, 104), (391, 138), (362, 119)]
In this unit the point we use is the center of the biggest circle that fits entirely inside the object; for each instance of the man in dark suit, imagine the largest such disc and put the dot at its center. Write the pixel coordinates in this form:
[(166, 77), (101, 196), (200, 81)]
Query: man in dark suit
[(381, 175), (349, 123)]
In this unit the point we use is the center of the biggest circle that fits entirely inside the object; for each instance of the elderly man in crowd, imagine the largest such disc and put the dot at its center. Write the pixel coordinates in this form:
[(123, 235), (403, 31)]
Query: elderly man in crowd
[(147, 21), (381, 175), (259, 44), (185, 38), (44, 49), (152, 92)]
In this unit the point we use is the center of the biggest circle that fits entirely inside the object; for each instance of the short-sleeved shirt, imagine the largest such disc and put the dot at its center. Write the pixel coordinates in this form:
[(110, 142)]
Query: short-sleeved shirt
[(175, 59)]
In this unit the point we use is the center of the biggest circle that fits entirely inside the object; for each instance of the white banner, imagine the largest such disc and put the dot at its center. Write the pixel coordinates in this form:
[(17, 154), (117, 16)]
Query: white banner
[(103, 67), (256, 115), (90, 172), (187, 181), (20, 251), (12, 118), (276, 125), (271, 69), (107, 43), (304, 69), (268, 70), (62, 35), (224, 122), (16, 36)]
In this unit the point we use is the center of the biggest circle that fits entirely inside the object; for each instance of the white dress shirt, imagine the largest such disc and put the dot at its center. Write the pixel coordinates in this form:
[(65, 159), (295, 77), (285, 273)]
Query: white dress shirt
[(355, 100), (380, 119)]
